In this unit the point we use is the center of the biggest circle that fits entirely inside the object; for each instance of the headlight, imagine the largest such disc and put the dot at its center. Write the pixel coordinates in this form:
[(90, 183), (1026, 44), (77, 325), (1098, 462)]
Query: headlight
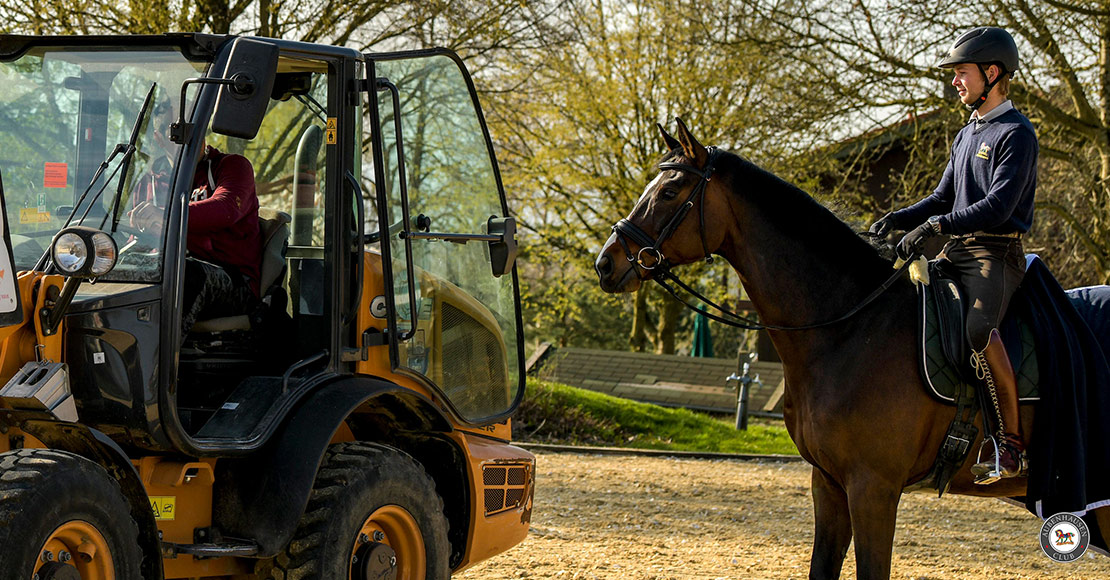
[(70, 253), (84, 252), (104, 254)]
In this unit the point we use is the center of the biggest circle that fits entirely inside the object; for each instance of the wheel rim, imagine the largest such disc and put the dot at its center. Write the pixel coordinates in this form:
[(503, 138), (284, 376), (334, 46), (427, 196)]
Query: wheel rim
[(79, 544), (395, 527)]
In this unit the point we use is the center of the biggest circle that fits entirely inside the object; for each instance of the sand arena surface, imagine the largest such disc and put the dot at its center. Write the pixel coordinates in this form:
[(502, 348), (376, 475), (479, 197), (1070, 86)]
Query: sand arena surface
[(646, 518)]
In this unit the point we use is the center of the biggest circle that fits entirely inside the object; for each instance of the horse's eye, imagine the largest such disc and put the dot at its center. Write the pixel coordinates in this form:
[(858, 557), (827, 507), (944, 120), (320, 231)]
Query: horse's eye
[(669, 194)]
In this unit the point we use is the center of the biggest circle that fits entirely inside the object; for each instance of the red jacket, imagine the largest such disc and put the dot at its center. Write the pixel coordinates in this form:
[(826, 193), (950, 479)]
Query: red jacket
[(223, 215)]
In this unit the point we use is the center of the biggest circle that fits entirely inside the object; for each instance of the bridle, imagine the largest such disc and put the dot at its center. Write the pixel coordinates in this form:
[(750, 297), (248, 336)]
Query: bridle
[(651, 246), (661, 268)]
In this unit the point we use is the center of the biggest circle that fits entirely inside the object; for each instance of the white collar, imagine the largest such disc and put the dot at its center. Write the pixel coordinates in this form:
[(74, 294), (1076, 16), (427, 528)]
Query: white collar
[(1003, 107)]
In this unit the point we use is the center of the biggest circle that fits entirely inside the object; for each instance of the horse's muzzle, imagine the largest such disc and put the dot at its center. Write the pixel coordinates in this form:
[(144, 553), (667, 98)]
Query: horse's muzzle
[(614, 273)]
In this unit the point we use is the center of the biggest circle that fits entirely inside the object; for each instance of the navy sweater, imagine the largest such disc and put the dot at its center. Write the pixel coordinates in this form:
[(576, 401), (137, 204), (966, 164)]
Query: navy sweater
[(989, 183)]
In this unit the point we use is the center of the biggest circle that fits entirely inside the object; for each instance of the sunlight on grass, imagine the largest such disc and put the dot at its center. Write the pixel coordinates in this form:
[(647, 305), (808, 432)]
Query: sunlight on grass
[(556, 413)]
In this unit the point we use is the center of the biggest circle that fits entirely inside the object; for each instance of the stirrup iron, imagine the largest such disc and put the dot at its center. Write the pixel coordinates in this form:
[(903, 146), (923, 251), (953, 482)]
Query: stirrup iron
[(995, 473)]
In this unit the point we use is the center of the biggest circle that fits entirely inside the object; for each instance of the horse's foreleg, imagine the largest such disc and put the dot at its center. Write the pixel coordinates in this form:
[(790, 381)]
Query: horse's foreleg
[(874, 507), (833, 530)]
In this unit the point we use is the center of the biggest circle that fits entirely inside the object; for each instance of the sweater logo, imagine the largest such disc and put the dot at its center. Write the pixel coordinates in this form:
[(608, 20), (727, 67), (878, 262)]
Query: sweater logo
[(984, 151)]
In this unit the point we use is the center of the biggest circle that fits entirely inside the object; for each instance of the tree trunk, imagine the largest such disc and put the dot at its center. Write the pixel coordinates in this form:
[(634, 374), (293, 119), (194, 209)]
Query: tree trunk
[(668, 323), (638, 338)]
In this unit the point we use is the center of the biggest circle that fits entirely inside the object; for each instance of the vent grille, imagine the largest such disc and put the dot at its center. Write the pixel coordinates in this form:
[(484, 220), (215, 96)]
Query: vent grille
[(494, 476), (506, 487), (475, 371)]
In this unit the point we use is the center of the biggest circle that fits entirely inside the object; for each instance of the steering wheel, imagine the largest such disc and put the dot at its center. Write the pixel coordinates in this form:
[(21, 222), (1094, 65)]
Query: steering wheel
[(145, 239)]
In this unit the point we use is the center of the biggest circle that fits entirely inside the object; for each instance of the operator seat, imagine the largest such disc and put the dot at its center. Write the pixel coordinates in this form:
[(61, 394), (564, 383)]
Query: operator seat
[(273, 226)]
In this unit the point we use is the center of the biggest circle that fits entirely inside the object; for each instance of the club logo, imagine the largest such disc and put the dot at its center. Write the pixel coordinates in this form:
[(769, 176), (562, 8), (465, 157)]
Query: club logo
[(984, 151), (1064, 537)]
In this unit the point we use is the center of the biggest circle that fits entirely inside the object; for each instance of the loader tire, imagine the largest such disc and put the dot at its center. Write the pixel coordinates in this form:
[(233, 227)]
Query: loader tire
[(60, 514), (373, 512)]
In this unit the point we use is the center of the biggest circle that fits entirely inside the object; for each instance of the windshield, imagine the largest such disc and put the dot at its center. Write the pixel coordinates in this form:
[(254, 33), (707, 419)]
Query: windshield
[(62, 114)]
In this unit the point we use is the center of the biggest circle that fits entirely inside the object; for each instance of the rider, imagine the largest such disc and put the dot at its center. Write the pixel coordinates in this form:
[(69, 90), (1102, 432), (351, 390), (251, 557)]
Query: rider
[(224, 243), (985, 203)]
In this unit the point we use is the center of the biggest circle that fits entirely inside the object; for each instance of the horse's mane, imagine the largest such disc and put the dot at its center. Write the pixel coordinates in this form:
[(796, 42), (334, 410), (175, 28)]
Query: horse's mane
[(793, 211)]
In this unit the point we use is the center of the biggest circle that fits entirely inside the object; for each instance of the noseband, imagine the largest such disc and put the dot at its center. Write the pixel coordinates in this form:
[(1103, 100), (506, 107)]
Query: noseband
[(651, 246)]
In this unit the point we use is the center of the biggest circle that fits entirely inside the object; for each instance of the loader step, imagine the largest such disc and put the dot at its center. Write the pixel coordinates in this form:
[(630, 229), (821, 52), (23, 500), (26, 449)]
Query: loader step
[(220, 550)]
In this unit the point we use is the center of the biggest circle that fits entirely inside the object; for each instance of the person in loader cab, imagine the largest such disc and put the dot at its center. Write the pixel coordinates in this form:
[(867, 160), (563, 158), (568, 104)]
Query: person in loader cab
[(985, 203), (223, 239)]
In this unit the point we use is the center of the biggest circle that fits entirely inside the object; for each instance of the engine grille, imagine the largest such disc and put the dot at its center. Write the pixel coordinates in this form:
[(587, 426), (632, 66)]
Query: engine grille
[(506, 486)]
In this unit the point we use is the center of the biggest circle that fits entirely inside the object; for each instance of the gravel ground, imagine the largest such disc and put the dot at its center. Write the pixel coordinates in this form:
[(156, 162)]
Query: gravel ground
[(659, 518)]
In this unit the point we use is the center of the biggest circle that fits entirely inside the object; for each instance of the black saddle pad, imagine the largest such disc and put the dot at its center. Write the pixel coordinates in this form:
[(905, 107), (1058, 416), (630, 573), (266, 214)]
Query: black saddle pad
[(945, 357)]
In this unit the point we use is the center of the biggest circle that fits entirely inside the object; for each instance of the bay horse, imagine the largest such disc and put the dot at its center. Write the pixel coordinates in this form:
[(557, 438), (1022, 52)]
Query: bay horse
[(854, 402)]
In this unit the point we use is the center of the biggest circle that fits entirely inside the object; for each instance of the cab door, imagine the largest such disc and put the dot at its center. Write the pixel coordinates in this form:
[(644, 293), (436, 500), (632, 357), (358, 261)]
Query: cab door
[(454, 308)]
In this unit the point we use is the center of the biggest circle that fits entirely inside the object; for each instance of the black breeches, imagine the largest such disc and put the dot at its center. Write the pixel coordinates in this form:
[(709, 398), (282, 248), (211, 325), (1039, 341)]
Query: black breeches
[(989, 270)]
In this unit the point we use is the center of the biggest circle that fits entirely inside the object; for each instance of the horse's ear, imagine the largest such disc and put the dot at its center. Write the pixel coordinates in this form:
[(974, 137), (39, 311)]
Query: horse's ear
[(669, 141), (690, 146)]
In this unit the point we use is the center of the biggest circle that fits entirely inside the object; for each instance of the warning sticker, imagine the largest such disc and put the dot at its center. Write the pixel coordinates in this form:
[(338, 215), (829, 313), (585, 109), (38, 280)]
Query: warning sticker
[(332, 131), (55, 175), (164, 506), (32, 215)]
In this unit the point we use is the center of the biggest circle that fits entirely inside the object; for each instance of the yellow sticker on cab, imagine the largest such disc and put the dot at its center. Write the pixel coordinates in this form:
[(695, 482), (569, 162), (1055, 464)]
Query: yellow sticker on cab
[(32, 215), (331, 133), (164, 506)]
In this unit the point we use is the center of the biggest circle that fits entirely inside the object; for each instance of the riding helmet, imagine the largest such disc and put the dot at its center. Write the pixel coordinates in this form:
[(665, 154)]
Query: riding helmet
[(983, 45)]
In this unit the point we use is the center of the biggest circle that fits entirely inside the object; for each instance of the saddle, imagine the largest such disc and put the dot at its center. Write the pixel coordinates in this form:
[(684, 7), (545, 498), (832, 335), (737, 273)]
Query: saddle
[(945, 350)]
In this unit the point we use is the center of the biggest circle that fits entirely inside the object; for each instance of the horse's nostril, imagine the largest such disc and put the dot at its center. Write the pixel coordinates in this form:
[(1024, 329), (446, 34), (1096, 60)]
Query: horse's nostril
[(604, 266)]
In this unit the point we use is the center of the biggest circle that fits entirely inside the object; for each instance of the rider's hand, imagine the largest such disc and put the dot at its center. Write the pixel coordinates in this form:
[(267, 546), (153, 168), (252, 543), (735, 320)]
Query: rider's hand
[(146, 217), (913, 242), (883, 225)]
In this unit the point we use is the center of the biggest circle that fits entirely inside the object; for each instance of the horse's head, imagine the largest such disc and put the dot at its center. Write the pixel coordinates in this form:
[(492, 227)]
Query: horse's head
[(673, 222)]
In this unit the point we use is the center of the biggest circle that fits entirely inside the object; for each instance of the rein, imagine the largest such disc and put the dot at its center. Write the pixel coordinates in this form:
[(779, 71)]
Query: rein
[(749, 324), (651, 247)]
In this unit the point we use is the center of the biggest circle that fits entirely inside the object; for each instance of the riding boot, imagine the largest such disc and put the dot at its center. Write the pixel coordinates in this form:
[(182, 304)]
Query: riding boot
[(1007, 458)]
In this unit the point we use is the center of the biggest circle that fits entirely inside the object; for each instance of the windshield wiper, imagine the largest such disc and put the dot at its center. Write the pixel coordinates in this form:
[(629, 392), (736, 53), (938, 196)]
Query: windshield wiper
[(128, 151), (126, 162)]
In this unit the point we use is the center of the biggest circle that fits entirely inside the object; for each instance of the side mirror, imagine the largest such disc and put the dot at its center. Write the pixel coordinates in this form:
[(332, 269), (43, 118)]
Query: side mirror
[(502, 253), (241, 105)]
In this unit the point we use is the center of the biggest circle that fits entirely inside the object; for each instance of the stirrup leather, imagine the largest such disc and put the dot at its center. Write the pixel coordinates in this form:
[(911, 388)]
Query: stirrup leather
[(983, 373)]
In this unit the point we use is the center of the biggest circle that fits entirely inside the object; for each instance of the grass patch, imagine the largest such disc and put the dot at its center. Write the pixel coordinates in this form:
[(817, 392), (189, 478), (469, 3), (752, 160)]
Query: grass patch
[(561, 414)]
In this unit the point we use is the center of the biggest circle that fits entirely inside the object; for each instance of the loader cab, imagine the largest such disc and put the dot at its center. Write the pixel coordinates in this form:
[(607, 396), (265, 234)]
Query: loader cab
[(388, 249)]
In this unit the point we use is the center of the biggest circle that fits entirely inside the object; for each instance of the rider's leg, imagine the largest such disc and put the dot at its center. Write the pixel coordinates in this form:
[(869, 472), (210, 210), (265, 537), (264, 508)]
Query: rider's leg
[(990, 271), (1007, 460)]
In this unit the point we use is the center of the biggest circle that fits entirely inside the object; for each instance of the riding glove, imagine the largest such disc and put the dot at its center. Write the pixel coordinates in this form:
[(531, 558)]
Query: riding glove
[(883, 225), (913, 242)]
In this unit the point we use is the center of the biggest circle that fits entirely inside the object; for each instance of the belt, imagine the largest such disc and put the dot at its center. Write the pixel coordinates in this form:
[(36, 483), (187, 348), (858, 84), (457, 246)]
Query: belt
[(1012, 235)]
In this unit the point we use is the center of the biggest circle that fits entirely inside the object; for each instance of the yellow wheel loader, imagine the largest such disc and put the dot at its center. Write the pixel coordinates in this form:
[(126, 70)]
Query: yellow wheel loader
[(354, 422)]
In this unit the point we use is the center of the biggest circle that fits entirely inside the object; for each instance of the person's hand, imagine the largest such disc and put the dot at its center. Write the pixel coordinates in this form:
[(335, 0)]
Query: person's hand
[(883, 225), (913, 242), (146, 217)]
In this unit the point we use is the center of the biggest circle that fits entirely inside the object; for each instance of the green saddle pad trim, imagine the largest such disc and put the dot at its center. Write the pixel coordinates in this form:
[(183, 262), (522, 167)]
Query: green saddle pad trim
[(943, 379)]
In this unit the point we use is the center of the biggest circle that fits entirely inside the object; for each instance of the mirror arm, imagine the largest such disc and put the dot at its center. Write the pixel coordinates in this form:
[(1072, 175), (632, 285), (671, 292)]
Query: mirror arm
[(180, 132), (51, 317)]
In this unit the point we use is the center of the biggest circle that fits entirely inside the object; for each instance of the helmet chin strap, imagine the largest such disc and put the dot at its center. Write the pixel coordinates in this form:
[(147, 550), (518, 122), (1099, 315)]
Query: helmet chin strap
[(986, 89)]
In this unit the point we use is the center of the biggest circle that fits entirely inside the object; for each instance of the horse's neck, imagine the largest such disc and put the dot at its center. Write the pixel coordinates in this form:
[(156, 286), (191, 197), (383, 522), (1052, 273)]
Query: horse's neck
[(799, 264)]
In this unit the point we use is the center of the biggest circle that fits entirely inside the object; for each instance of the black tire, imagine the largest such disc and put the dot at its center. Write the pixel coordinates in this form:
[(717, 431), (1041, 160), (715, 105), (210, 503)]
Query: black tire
[(355, 481), (46, 494)]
